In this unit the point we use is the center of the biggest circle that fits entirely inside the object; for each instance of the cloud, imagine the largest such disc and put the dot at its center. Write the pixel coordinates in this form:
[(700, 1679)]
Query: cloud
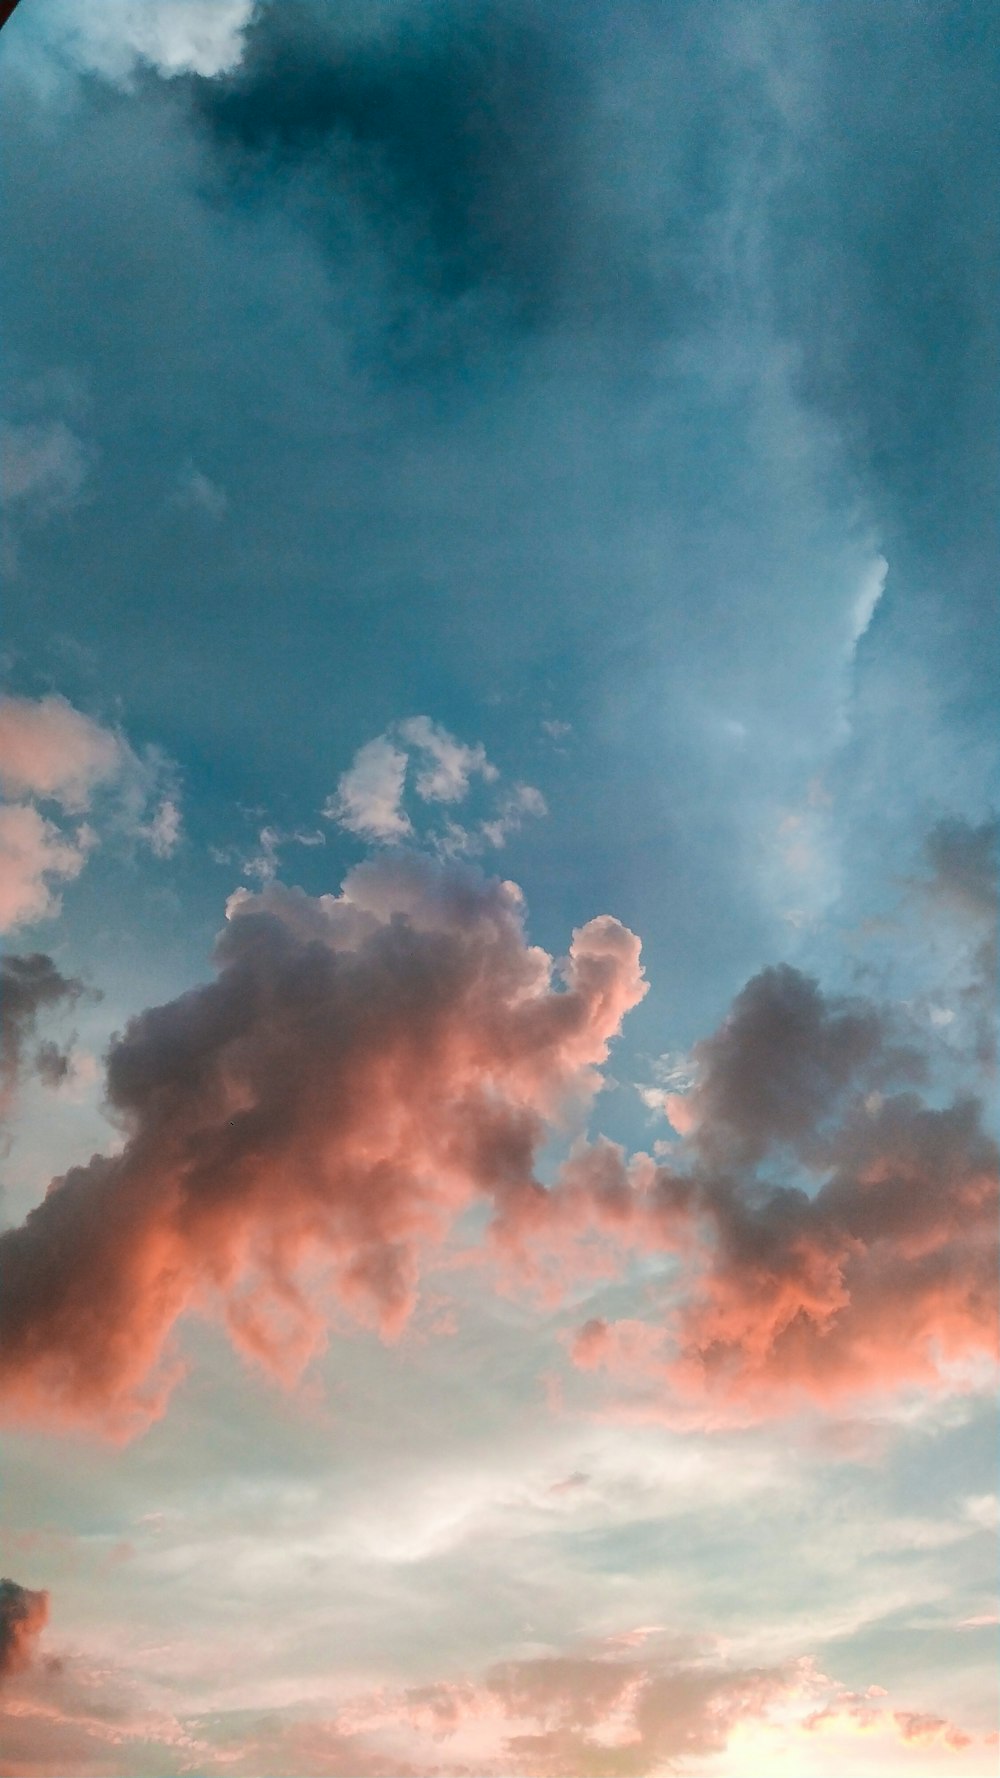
[(368, 798), (632, 1705), (302, 1130), (52, 751), (23, 1616), (43, 466), (883, 1276), (33, 855), (448, 764), (113, 38), (30, 986), (780, 1064)]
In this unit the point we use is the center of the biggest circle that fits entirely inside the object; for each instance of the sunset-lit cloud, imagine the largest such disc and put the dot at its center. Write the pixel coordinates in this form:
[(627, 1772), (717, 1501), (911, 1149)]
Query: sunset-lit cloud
[(363, 1067)]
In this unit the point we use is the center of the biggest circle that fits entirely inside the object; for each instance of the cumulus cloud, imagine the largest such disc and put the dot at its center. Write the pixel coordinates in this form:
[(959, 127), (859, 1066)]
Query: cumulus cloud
[(29, 987), (363, 1068), (35, 855), (882, 1274), (780, 1064), (369, 795), (114, 37), (23, 1616), (54, 753), (50, 750), (447, 766)]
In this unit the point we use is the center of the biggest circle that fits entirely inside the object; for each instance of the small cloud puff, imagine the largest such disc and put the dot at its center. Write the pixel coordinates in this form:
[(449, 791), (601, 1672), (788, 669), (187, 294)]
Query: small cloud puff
[(369, 797)]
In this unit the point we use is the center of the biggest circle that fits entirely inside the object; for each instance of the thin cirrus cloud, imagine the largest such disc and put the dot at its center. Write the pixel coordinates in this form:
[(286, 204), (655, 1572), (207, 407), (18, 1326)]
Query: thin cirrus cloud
[(50, 752), (363, 1068), (369, 798)]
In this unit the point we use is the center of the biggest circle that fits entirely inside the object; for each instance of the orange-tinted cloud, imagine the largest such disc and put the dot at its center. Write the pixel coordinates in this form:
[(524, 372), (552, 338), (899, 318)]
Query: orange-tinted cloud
[(361, 1069), (884, 1273), (34, 856), (23, 1616)]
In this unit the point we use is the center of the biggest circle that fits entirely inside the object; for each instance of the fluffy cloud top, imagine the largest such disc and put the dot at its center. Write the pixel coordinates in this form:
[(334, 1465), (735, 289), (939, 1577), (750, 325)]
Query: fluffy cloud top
[(361, 1069), (113, 37), (50, 750), (884, 1273), (369, 797), (35, 854), (54, 753)]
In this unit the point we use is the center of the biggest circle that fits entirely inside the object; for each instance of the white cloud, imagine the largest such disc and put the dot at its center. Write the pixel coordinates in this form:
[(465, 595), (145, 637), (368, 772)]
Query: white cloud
[(53, 753), (448, 764), (868, 595), (34, 854), (523, 800), (368, 798), (112, 37)]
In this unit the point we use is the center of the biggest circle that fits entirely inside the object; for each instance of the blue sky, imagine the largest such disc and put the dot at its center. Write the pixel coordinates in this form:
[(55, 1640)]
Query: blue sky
[(552, 444)]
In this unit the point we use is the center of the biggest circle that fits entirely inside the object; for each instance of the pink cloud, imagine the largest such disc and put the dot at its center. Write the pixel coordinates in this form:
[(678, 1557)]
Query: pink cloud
[(34, 856), (305, 1128), (50, 750)]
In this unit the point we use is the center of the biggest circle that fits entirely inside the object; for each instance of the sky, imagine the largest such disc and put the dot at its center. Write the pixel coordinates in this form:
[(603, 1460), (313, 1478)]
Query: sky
[(498, 883)]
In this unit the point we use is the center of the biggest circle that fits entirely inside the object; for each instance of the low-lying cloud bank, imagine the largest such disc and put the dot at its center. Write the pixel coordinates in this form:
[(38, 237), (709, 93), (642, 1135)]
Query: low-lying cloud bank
[(302, 1134), (645, 1701)]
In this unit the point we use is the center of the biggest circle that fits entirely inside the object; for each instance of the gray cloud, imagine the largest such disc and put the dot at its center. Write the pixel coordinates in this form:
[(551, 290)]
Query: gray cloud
[(23, 1616), (29, 987)]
